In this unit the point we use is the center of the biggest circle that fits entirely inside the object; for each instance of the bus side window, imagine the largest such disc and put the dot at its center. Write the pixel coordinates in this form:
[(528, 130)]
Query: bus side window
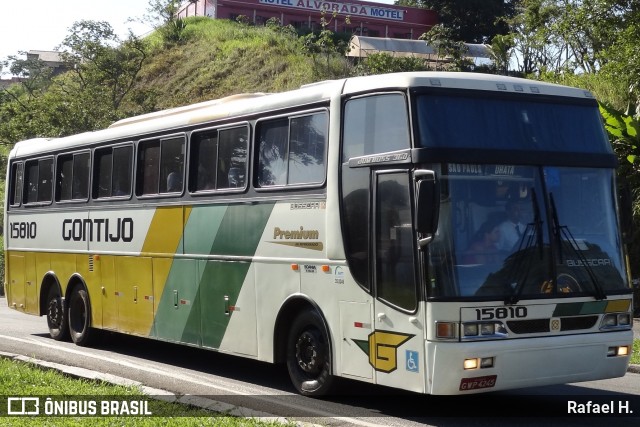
[(121, 177), (72, 178), (202, 158), (63, 177), (45, 180), (160, 166), (375, 124), (39, 181), (102, 173), (15, 188), (148, 173), (31, 187), (308, 139), (292, 150), (273, 146), (112, 172), (81, 168), (232, 158), (171, 165)]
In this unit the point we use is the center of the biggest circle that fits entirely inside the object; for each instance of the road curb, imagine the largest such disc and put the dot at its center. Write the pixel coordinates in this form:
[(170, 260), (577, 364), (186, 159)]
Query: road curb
[(167, 396), (155, 393)]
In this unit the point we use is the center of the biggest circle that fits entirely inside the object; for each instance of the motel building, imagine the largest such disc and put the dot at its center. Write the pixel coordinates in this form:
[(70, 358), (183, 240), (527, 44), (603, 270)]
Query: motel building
[(368, 19)]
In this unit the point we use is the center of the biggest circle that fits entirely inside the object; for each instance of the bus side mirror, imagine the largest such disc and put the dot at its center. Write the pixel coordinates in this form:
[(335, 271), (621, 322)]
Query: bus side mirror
[(427, 205)]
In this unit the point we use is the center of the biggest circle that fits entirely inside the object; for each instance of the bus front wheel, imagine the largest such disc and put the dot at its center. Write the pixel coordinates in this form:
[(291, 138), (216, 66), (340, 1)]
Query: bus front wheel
[(80, 318), (57, 316), (309, 355)]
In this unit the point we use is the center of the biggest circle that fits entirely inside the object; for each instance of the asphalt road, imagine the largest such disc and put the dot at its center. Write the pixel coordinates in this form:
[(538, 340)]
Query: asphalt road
[(247, 387)]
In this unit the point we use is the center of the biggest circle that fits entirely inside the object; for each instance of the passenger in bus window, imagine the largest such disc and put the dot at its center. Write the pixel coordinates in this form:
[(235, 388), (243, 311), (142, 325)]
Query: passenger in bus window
[(484, 245), (235, 178), (120, 188), (512, 227), (205, 180), (174, 182)]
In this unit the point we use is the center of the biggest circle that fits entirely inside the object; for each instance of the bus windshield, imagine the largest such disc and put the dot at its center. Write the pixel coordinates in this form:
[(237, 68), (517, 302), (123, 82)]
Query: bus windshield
[(516, 232)]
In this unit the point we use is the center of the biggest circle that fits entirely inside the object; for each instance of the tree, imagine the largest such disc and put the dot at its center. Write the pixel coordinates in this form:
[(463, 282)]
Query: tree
[(380, 63), (34, 74), (325, 43), (568, 35), (101, 62), (162, 12), (163, 16), (447, 48), (470, 21), (501, 52), (623, 59), (102, 72), (624, 133)]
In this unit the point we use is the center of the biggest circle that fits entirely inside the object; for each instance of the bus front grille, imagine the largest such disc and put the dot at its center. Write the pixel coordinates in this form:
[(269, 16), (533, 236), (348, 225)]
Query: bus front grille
[(537, 326)]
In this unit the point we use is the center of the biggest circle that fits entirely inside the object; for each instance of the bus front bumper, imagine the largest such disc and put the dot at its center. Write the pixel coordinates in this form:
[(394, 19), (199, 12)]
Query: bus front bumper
[(527, 362)]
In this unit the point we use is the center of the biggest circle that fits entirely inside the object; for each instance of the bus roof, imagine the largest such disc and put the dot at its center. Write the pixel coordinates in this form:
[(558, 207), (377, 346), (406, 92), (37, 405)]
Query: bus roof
[(461, 80), (246, 104)]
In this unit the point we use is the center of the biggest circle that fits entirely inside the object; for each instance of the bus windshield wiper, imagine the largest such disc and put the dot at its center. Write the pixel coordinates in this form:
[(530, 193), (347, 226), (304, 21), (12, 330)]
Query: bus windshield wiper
[(562, 232), (532, 235)]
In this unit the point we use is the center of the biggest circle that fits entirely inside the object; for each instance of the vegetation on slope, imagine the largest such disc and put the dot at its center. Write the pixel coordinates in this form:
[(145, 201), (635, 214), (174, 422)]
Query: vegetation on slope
[(219, 58)]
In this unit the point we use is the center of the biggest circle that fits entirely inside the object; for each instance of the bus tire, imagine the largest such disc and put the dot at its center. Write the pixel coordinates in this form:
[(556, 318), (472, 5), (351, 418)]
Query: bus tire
[(80, 318), (309, 355), (57, 320)]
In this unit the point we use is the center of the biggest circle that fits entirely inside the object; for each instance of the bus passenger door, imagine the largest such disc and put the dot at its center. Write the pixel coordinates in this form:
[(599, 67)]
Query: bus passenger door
[(104, 268), (134, 291), (397, 344), (17, 282), (32, 284)]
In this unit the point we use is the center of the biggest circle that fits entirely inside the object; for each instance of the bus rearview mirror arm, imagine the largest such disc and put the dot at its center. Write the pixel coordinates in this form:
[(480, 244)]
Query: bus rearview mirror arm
[(427, 205)]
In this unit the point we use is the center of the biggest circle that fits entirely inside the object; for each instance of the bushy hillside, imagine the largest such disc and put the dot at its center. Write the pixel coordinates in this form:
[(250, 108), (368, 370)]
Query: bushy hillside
[(216, 58)]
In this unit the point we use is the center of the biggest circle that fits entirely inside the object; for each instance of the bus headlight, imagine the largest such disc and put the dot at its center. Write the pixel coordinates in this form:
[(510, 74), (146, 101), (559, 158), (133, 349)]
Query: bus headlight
[(618, 351), (470, 329), (483, 330), (487, 329), (624, 319), (616, 321), (475, 363)]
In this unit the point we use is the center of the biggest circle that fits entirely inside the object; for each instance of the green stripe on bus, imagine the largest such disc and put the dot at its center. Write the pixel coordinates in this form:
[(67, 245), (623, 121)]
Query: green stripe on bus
[(579, 308), (193, 307)]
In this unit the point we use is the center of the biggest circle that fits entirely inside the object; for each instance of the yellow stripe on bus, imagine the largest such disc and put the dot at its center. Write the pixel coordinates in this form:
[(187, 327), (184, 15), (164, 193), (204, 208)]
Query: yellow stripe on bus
[(165, 231)]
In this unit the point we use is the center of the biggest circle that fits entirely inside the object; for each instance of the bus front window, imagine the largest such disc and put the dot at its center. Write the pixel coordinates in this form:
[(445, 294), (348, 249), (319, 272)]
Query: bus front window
[(512, 232)]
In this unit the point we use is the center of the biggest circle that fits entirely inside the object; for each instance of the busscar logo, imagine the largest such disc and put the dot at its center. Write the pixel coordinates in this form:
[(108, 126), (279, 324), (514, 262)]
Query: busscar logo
[(382, 349)]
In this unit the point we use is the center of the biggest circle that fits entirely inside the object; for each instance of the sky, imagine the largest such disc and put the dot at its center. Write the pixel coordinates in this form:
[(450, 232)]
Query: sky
[(43, 24)]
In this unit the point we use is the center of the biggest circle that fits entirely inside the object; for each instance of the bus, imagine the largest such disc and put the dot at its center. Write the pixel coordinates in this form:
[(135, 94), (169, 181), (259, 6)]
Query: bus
[(351, 228)]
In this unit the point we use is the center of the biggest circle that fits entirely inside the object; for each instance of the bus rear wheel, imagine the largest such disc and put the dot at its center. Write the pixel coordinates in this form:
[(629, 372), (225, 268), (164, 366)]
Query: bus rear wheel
[(80, 317), (57, 316), (309, 355)]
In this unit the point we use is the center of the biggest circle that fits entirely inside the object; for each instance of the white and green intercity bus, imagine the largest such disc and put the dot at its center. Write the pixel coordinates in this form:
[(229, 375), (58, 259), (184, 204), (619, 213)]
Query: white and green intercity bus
[(364, 228)]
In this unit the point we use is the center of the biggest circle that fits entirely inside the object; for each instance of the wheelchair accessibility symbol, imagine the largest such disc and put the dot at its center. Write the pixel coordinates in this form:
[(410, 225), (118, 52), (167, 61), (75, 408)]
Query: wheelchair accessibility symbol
[(412, 361)]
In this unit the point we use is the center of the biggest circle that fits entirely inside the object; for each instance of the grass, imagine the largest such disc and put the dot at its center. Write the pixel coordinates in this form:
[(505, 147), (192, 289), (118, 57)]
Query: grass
[(635, 355), (20, 379), (217, 58)]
